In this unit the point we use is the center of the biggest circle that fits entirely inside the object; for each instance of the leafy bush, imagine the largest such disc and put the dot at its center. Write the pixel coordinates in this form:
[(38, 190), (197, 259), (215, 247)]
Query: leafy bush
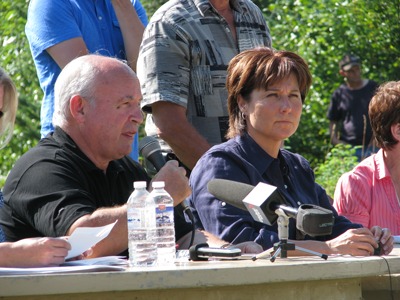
[(339, 160)]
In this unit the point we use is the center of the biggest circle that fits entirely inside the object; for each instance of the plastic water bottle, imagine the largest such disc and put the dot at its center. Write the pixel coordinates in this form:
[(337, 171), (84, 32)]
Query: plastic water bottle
[(141, 227), (166, 250)]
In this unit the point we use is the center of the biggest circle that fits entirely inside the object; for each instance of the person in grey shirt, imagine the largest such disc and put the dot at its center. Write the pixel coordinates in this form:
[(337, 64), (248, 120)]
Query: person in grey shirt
[(182, 67)]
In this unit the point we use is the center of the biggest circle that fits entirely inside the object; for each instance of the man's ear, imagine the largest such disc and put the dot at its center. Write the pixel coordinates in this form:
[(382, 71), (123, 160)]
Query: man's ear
[(77, 106)]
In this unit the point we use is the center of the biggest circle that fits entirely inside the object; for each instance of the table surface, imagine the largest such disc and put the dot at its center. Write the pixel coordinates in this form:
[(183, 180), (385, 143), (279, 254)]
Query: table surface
[(210, 273)]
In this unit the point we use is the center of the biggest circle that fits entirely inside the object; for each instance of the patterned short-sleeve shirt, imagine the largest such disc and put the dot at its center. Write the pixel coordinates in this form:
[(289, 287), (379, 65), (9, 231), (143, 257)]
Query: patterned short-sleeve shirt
[(184, 56)]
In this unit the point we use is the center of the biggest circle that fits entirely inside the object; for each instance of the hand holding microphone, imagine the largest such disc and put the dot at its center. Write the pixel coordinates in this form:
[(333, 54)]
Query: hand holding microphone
[(176, 182)]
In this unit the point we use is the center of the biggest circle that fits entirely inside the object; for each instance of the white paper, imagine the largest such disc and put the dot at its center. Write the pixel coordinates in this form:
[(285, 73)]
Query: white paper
[(85, 237), (104, 260)]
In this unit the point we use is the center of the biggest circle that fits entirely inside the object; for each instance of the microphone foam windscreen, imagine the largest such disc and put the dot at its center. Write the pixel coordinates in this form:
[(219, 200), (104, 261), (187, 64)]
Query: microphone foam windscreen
[(148, 145), (231, 192), (314, 220)]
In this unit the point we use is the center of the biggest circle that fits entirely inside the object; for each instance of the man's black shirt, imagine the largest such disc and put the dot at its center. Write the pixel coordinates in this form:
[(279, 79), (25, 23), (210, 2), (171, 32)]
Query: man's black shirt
[(55, 183)]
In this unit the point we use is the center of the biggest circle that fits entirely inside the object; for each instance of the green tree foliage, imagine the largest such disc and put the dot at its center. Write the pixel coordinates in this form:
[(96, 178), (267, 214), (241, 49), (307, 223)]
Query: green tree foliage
[(152, 5), (339, 160), (319, 30)]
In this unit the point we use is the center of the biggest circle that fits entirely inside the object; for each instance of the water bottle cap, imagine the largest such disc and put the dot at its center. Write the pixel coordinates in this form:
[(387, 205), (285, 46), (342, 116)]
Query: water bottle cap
[(158, 184), (140, 184)]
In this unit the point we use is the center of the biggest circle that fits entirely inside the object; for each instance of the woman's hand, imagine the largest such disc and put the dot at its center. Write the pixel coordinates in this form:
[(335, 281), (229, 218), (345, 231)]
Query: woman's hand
[(356, 242), (384, 237)]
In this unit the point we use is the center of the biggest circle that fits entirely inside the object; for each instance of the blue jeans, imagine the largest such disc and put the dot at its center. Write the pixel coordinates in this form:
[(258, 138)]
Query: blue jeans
[(362, 153)]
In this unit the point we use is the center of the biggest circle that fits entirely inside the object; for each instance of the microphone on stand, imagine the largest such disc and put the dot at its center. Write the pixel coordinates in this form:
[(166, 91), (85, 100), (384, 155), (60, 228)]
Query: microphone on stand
[(266, 205), (263, 200)]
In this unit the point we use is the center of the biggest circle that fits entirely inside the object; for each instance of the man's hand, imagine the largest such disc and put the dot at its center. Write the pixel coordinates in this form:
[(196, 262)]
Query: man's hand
[(356, 242), (176, 182), (36, 252)]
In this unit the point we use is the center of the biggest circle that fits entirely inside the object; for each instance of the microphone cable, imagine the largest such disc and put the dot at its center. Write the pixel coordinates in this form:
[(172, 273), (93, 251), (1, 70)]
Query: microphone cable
[(189, 214), (186, 208), (390, 278)]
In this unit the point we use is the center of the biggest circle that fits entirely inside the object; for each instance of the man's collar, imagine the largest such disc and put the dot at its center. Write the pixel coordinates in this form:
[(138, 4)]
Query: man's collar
[(204, 5), (66, 142)]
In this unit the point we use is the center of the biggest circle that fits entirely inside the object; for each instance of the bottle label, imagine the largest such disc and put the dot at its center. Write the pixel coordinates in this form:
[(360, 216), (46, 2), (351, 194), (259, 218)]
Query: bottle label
[(164, 215), (134, 219)]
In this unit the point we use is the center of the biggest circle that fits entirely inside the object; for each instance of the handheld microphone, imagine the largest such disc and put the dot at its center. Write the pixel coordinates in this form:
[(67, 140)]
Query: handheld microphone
[(150, 149), (263, 200)]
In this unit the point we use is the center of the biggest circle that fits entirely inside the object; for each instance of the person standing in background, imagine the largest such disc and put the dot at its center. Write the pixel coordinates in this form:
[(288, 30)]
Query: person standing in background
[(348, 108), (182, 69), (59, 31), (369, 194)]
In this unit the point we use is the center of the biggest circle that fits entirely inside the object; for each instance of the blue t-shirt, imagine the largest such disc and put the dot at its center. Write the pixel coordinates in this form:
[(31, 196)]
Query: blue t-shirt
[(52, 22), (241, 159)]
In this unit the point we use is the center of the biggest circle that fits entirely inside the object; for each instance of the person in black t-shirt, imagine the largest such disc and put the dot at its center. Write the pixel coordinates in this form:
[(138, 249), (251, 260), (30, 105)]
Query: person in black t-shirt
[(348, 109)]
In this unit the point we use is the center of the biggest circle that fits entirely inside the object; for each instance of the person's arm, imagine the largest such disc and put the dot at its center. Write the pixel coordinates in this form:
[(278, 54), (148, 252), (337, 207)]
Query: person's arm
[(117, 240), (334, 133), (372, 143), (181, 136), (165, 71), (132, 32), (34, 252), (66, 51), (356, 242), (131, 27), (176, 183), (352, 198)]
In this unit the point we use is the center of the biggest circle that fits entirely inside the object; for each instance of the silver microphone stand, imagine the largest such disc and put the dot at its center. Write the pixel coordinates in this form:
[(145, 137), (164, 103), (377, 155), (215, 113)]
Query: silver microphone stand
[(283, 246)]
